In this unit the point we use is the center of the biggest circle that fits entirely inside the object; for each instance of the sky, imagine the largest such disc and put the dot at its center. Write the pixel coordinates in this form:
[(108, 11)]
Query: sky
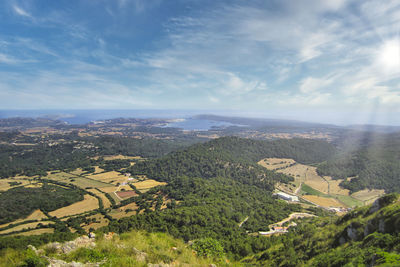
[(329, 61)]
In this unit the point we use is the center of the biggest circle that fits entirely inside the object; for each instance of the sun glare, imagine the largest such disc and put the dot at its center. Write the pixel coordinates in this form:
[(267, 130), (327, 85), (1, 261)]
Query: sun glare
[(389, 55)]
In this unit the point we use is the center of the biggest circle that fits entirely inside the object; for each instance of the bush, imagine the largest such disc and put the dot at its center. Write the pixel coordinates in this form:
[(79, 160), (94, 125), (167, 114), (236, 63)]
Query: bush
[(208, 247)]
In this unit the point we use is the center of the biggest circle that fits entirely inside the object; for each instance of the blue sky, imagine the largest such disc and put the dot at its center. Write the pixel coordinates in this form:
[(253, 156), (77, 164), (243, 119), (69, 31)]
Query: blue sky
[(332, 60)]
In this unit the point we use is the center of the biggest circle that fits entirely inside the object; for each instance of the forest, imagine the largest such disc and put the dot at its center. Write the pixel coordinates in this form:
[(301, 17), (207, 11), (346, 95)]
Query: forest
[(19, 202), (374, 161)]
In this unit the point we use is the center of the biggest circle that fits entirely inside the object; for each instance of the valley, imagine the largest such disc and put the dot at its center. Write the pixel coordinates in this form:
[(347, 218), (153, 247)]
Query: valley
[(188, 186), (319, 190)]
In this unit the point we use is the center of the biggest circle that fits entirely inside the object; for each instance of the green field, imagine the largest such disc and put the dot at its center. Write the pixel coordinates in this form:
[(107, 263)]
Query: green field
[(349, 201), (308, 190)]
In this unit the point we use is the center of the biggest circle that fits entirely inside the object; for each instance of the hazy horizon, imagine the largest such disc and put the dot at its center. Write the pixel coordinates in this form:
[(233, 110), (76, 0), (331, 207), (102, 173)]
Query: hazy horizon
[(87, 115)]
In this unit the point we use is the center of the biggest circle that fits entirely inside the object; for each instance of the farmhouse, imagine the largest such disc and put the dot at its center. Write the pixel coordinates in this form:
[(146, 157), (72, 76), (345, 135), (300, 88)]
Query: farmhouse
[(287, 197)]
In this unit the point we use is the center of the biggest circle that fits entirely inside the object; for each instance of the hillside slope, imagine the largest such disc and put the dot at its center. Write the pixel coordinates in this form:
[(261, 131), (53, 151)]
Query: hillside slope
[(136, 248), (368, 236)]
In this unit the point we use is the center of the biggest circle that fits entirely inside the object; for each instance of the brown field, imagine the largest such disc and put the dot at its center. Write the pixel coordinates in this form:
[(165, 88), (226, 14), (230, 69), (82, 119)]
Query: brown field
[(121, 212), (368, 196), (334, 187), (305, 174), (36, 215), (35, 185), (100, 222), (4, 183), (89, 203), (147, 184), (61, 176), (78, 171), (109, 177), (274, 163), (97, 169), (37, 232), (126, 194), (121, 157), (323, 201), (109, 189), (106, 202), (23, 226), (83, 182)]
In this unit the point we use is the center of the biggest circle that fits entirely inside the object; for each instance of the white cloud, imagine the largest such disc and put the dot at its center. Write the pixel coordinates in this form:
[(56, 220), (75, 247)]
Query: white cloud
[(21, 11)]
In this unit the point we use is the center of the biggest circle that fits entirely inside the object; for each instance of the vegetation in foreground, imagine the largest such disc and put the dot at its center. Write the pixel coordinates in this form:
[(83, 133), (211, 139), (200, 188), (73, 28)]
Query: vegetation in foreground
[(135, 248)]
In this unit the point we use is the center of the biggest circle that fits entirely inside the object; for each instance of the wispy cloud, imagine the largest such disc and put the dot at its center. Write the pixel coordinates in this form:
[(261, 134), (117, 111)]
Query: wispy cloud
[(247, 54), (20, 11)]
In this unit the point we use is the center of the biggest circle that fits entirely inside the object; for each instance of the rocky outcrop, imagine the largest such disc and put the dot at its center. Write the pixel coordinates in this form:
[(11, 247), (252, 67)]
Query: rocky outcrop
[(67, 247)]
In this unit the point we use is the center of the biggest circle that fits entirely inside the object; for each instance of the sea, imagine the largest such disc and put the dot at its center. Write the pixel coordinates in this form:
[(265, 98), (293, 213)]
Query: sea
[(184, 118)]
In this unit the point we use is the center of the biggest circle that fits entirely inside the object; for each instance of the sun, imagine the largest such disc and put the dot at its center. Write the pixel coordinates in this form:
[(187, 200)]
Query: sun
[(389, 55)]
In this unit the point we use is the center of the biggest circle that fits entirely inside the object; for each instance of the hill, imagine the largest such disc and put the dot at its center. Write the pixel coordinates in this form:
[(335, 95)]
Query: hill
[(368, 236), (371, 159)]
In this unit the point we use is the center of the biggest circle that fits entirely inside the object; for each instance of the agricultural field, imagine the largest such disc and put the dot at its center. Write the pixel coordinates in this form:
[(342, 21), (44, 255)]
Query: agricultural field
[(111, 177), (126, 194), (78, 172), (368, 196), (100, 222), (36, 215), (308, 182), (121, 157), (6, 184), (36, 232), (20, 227), (106, 201), (97, 169), (124, 211), (89, 203), (276, 163), (145, 185), (323, 201), (84, 182)]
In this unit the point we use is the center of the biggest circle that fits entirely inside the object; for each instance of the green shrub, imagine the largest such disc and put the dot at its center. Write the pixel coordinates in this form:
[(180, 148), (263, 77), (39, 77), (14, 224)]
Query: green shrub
[(208, 247)]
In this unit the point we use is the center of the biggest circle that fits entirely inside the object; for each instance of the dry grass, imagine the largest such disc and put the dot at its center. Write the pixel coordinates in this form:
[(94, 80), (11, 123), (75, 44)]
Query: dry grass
[(308, 175), (78, 171), (323, 201), (106, 201), (368, 195), (89, 203), (121, 212), (126, 194), (4, 183), (100, 222), (37, 232), (121, 157), (36, 215), (274, 163), (147, 184), (97, 169), (334, 187), (35, 185), (109, 177), (24, 226), (84, 183), (316, 181), (109, 189)]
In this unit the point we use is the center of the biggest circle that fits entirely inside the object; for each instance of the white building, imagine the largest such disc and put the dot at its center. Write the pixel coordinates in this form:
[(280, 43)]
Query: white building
[(287, 197)]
